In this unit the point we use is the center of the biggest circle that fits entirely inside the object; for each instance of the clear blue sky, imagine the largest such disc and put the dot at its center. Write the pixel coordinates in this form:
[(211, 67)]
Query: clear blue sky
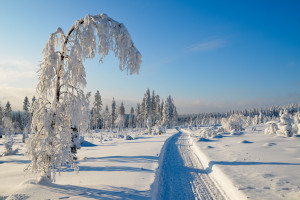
[(209, 55)]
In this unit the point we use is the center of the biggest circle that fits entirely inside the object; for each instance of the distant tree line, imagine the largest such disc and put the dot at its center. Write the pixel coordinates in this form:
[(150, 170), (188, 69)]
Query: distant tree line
[(150, 112), (252, 116)]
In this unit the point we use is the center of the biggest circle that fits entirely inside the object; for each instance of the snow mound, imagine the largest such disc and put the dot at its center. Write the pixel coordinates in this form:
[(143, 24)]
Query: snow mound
[(245, 142), (128, 137)]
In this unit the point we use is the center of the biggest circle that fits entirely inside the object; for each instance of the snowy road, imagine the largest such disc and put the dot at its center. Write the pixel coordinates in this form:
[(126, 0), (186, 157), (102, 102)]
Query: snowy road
[(182, 175)]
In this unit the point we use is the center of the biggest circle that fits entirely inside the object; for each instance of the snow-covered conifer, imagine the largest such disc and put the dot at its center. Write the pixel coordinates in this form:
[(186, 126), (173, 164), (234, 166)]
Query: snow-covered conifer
[(97, 107), (131, 118), (138, 116), (107, 120), (113, 115), (121, 119), (8, 110), (8, 132)]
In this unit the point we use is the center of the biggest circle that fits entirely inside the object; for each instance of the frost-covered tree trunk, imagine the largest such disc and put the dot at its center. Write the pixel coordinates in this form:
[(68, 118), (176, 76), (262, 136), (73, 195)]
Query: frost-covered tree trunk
[(62, 106)]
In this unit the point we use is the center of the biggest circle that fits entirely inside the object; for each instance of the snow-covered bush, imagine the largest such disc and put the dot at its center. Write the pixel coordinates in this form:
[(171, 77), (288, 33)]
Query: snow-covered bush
[(296, 125), (128, 137), (158, 130), (285, 125), (220, 130), (8, 132), (235, 132), (207, 132), (234, 122), (272, 128)]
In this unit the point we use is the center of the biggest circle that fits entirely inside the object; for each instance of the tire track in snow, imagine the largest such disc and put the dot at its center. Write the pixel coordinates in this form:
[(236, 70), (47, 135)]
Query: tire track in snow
[(182, 175)]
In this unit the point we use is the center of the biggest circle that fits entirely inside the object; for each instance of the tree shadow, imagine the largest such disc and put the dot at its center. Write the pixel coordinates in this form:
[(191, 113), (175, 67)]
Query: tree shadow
[(110, 192), (127, 159), (236, 163), (108, 169), (15, 161)]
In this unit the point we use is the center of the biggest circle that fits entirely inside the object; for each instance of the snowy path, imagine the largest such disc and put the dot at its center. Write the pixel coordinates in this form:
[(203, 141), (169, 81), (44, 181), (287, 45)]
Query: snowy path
[(182, 175)]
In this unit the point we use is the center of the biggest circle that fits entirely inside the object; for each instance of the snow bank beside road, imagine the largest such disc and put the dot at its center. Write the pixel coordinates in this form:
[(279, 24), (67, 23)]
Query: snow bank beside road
[(221, 180)]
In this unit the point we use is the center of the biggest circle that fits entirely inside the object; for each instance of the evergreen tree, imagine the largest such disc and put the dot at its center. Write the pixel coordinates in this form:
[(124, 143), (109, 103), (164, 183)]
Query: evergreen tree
[(121, 117), (8, 135), (8, 110), (32, 100), (97, 107), (138, 116), (107, 120), (113, 115), (131, 118), (1, 116), (26, 119)]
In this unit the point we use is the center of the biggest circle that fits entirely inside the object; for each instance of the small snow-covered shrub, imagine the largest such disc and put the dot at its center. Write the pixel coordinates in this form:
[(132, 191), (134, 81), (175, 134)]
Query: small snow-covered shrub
[(8, 139), (234, 122), (220, 130), (128, 137), (272, 128), (158, 130), (296, 125), (285, 126), (208, 132), (235, 132)]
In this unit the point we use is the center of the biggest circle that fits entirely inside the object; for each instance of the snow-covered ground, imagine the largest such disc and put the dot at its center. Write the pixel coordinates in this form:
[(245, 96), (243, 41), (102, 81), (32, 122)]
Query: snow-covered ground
[(114, 169), (253, 165), (181, 174)]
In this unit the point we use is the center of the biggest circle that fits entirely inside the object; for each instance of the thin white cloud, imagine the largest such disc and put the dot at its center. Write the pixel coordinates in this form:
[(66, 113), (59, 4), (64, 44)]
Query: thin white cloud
[(208, 45), (17, 72), (202, 106), (15, 96)]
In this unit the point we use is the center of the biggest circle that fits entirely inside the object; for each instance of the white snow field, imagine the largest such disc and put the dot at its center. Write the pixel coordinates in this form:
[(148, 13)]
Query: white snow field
[(116, 169), (176, 165), (252, 165)]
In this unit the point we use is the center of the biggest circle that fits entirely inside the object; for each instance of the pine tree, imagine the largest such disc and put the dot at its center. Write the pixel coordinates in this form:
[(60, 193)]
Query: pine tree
[(18, 122), (8, 135), (8, 110), (62, 107), (1, 116), (26, 119), (121, 117), (107, 120), (138, 116), (32, 100), (131, 118), (97, 107), (113, 115)]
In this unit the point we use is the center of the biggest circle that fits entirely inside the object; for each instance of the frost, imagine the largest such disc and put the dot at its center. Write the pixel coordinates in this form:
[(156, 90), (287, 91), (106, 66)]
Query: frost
[(62, 107)]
